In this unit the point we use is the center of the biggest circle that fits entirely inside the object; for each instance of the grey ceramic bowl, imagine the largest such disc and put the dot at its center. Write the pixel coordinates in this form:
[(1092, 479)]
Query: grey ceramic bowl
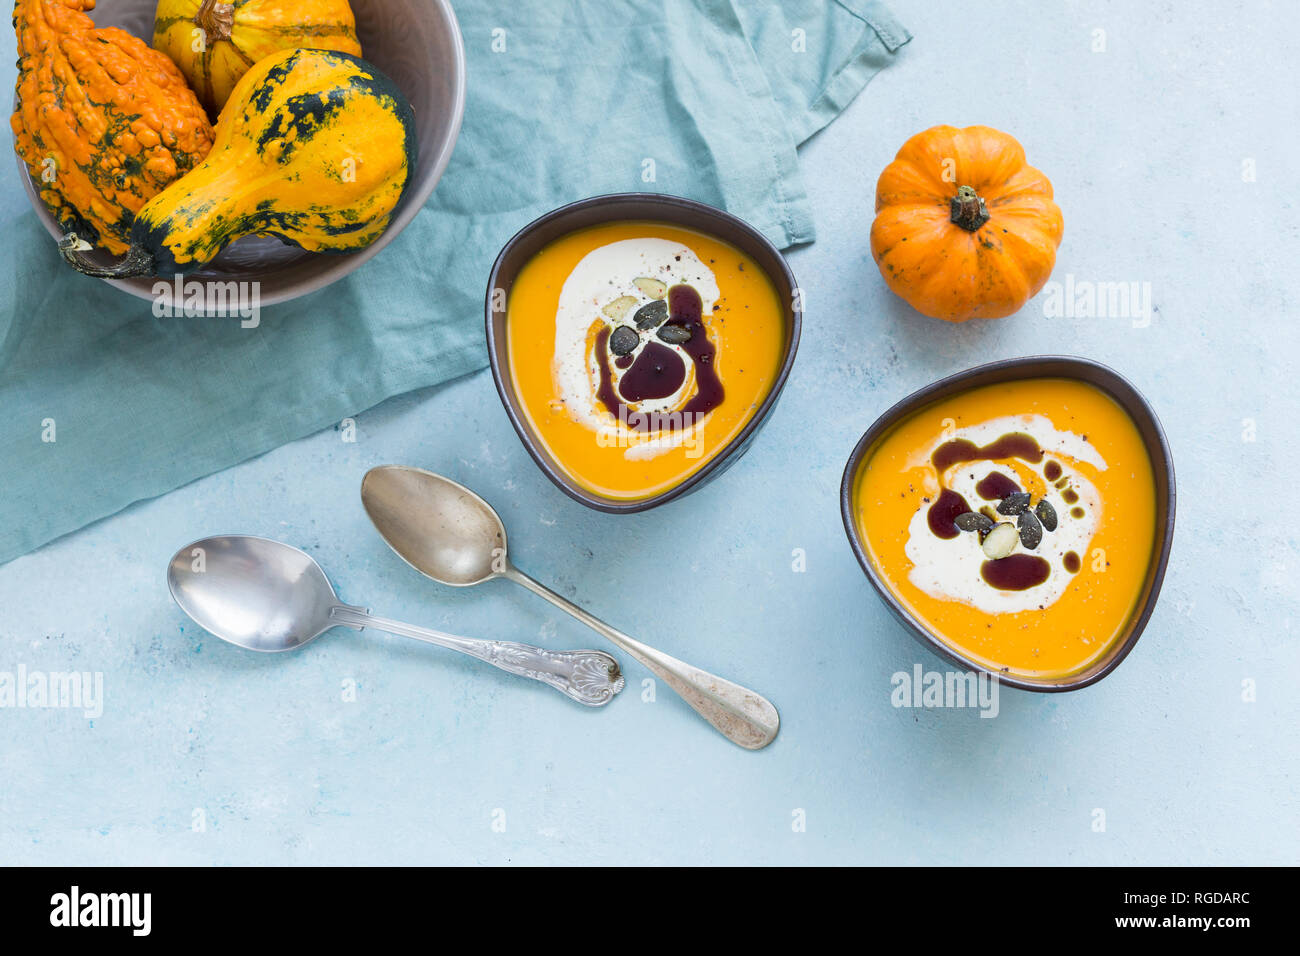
[(621, 207), (1039, 366), (417, 43)]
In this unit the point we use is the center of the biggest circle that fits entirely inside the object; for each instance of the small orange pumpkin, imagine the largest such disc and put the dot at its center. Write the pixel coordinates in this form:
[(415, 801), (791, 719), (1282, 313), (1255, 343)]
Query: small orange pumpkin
[(964, 227)]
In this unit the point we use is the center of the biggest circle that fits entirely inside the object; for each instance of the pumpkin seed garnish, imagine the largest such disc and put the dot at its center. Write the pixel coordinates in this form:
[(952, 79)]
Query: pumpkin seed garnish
[(974, 521), (675, 334), (1014, 503), (1031, 529), (619, 308), (1046, 514), (623, 340), (651, 287), (1001, 541), (651, 314)]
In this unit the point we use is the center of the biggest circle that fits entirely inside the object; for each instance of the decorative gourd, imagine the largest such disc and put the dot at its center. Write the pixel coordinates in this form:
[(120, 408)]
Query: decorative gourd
[(964, 228), (102, 122), (215, 43), (315, 146)]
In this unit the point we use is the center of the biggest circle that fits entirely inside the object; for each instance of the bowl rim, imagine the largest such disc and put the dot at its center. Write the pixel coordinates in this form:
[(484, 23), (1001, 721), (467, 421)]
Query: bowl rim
[(409, 206), (1118, 388), (794, 316)]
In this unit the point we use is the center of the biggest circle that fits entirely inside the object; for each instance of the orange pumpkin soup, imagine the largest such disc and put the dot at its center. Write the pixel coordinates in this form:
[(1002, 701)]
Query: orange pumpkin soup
[(1016, 521), (639, 350)]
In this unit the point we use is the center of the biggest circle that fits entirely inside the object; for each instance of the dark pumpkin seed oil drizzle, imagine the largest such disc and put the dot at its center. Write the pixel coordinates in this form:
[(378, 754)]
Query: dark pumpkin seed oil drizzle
[(658, 371), (1016, 572)]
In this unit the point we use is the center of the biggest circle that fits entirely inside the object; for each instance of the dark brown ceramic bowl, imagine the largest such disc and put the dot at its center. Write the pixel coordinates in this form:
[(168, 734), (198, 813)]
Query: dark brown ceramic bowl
[(623, 207), (1038, 366)]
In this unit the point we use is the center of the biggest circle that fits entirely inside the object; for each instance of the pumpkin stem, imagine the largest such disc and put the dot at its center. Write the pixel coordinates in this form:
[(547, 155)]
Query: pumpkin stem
[(968, 209), (216, 20), (136, 262)]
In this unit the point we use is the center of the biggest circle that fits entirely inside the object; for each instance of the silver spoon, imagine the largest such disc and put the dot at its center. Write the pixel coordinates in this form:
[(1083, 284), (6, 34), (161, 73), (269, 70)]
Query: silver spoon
[(445, 531), (267, 596)]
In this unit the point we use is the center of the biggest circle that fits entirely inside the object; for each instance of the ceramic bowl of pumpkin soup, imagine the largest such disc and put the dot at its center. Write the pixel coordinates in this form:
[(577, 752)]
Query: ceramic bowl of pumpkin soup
[(1017, 518), (638, 343)]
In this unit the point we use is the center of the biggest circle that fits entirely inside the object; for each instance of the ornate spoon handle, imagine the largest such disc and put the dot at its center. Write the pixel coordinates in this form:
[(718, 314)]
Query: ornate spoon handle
[(589, 677)]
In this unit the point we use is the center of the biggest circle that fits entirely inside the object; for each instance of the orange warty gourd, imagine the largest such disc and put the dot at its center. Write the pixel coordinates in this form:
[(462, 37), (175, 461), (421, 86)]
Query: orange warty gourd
[(216, 43), (103, 122), (964, 227)]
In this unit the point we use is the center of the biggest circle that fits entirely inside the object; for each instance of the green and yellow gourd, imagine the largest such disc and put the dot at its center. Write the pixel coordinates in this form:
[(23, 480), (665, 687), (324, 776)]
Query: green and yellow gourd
[(316, 147)]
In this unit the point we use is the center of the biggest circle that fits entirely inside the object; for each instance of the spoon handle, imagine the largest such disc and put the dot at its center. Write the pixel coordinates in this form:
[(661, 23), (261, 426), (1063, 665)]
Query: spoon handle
[(589, 677), (739, 714)]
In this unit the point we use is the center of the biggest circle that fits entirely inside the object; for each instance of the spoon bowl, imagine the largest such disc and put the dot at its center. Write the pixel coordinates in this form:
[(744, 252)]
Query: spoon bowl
[(260, 594), (439, 527)]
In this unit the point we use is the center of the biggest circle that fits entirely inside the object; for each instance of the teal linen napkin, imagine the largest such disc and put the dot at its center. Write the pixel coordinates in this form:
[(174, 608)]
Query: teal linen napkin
[(700, 98)]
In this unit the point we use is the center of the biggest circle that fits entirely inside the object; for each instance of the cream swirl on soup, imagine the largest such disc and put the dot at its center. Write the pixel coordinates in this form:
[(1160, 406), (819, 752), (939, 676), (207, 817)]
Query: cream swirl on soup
[(654, 382), (1035, 462)]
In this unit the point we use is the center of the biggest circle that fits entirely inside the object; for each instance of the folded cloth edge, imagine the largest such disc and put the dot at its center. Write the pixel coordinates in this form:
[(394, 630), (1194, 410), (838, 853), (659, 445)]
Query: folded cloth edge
[(852, 78)]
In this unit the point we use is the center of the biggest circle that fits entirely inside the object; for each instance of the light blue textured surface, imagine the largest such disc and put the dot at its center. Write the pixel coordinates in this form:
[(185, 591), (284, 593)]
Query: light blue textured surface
[(1145, 143)]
